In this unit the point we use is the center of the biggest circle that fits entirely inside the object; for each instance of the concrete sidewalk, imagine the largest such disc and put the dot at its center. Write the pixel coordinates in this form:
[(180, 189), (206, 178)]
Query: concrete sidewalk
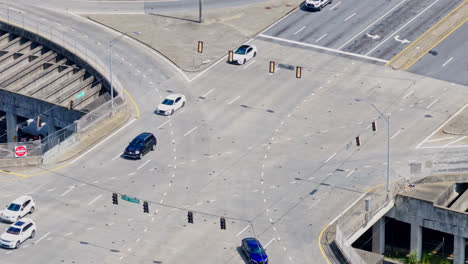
[(176, 35)]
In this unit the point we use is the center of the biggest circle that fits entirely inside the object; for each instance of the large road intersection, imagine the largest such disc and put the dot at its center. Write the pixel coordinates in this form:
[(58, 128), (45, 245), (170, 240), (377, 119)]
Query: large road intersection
[(273, 154)]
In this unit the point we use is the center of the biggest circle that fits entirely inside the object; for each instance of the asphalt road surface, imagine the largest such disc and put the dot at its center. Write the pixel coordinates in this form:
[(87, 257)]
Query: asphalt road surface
[(273, 154)]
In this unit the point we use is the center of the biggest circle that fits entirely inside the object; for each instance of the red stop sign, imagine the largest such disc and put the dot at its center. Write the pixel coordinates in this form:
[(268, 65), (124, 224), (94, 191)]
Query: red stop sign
[(20, 151)]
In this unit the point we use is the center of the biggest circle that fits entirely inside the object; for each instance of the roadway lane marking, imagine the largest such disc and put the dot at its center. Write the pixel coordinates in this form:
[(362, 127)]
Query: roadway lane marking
[(302, 28), (435, 131), (315, 203), (455, 141), (324, 35), (102, 142), (372, 24), (191, 130), (68, 234), (331, 157), (120, 154), (402, 27), (9, 252), (408, 94), (233, 100), (335, 6), (67, 191), (439, 139), (238, 234), (348, 18), (44, 236), (51, 189), (142, 165), (447, 62), (349, 174), (435, 101), (95, 199), (324, 48), (210, 91), (267, 244), (246, 66), (396, 134), (164, 124)]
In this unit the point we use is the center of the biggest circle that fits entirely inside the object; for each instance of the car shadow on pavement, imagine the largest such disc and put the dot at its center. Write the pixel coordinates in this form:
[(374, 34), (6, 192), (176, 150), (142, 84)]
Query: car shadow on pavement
[(241, 253)]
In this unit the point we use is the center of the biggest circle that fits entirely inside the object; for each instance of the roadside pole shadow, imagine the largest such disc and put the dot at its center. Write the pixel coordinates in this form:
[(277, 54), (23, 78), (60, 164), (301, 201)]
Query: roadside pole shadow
[(172, 17), (241, 253)]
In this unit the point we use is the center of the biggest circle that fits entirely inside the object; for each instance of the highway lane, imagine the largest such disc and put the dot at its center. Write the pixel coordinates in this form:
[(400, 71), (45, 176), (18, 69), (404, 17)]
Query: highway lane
[(448, 60), (377, 29)]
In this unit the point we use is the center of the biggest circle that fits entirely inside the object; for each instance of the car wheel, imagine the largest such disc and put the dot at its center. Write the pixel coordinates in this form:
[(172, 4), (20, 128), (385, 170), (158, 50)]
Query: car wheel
[(331, 1), (183, 104), (152, 147), (172, 112), (31, 210), (244, 61), (17, 244), (33, 233), (139, 156), (255, 54), (320, 8)]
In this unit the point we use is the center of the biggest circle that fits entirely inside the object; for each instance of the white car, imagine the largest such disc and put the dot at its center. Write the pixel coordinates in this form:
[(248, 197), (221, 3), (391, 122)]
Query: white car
[(20, 207), (17, 233), (317, 4), (244, 53), (171, 104)]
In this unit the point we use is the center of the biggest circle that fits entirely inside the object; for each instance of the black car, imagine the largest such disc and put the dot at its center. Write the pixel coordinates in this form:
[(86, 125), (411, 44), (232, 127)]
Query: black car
[(141, 145)]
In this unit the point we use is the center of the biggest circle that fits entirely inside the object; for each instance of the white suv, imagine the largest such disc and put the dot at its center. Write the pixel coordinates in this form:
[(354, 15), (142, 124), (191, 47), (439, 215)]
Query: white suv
[(20, 207), (317, 4), (17, 233)]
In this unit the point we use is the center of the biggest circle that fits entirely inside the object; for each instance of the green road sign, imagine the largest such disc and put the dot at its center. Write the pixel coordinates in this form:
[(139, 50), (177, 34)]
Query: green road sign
[(130, 199), (79, 95)]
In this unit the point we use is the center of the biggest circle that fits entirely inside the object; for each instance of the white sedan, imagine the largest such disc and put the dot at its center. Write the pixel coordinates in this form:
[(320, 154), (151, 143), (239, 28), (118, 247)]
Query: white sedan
[(317, 4), (170, 104), (17, 233), (244, 53), (20, 207)]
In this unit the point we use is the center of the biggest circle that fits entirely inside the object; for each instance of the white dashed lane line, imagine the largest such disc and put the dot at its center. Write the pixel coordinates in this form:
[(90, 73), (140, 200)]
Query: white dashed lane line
[(396, 134), (348, 18), (67, 191), (331, 157), (447, 62), (206, 94), (324, 35), (349, 174), (302, 28), (142, 165), (233, 100), (120, 154), (94, 200), (238, 234), (267, 244), (39, 240), (435, 101), (190, 131), (335, 6), (163, 124)]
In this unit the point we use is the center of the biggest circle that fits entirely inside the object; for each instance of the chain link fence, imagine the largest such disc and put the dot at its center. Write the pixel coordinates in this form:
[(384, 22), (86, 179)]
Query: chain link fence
[(20, 149)]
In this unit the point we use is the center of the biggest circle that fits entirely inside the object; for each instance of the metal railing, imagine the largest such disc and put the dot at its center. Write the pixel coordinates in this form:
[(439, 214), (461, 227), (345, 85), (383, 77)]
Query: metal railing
[(31, 149)]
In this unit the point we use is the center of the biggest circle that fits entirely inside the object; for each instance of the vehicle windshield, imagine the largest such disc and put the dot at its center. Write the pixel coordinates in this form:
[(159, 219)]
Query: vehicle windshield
[(168, 102), (136, 141), (14, 231), (242, 50), (255, 249), (14, 207)]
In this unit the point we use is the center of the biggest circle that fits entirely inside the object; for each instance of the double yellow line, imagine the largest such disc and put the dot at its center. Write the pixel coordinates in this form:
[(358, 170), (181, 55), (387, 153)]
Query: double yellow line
[(425, 33)]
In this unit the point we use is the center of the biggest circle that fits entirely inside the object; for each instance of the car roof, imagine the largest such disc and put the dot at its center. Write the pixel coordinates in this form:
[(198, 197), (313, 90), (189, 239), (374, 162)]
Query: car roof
[(174, 96), (22, 199), (251, 240), (22, 222), (144, 135)]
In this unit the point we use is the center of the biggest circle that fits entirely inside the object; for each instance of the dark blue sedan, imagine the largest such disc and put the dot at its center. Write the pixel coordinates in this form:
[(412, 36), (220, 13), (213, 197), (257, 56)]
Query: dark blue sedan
[(254, 251)]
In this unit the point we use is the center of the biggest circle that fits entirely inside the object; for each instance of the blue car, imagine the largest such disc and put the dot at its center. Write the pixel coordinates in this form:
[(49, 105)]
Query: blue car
[(254, 251)]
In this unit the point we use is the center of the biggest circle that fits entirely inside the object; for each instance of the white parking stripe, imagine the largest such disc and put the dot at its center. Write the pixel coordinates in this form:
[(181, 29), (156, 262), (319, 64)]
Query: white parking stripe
[(191, 130), (67, 191), (246, 66), (455, 141), (402, 27), (348, 18), (143, 165), (324, 35), (44, 236), (349, 174), (432, 103), (396, 134), (335, 6), (164, 124), (95, 199), (331, 157), (120, 154), (408, 94), (439, 139), (447, 62)]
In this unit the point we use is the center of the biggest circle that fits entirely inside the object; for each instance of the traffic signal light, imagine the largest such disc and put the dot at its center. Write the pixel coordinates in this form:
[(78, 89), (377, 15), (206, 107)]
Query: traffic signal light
[(374, 125), (145, 207), (222, 221), (190, 217), (114, 198)]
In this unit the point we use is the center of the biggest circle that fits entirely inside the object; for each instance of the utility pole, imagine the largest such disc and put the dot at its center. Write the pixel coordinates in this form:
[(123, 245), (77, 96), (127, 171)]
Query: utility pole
[(200, 5)]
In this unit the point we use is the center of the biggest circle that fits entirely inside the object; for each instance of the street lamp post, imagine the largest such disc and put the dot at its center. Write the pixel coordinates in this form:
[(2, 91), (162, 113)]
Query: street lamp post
[(387, 119), (111, 43)]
